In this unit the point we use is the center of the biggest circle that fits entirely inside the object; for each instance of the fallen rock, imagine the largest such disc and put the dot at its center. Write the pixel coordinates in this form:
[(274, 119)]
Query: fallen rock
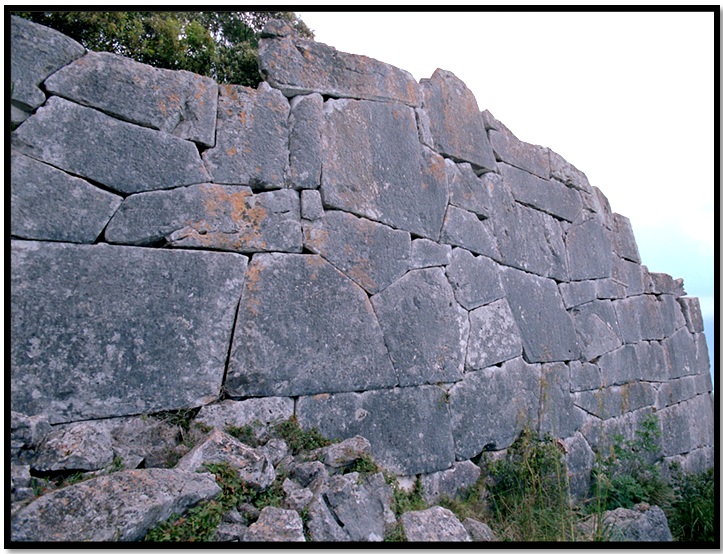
[(435, 524), (346, 452), (81, 446), (276, 525), (296, 497), (322, 525), (478, 531), (122, 506), (642, 523), (26, 434)]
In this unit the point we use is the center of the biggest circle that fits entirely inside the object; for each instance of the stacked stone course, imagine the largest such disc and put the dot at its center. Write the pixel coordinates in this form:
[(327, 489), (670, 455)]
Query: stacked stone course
[(375, 250)]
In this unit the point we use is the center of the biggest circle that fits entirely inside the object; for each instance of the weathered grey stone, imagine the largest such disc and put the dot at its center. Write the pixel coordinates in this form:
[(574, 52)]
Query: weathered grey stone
[(20, 476), (252, 143), (311, 206), (36, 52), (620, 366), (180, 103), (229, 532), (672, 314), (296, 497), (641, 524), (702, 361), (474, 280), (653, 361), (276, 525), (210, 216), (370, 254), (584, 376), (623, 242), (511, 150), (577, 292), (687, 425), (346, 452), (86, 345), (425, 331), (490, 407), (588, 251), (303, 327), (427, 253), (639, 318), (597, 328), (630, 274), (607, 289), (119, 155), (558, 418), (455, 121), (311, 475), (614, 401), (433, 525), (691, 311), (451, 482), (122, 506), (363, 509), (478, 531), (17, 115), (305, 126), (678, 390), (542, 252), (78, 447), (408, 428), (551, 197), (600, 205), (259, 413), (662, 283), (465, 229), (564, 171), (469, 192), (493, 336), (681, 350), (579, 459), (299, 66), (547, 331), (26, 434), (48, 204), (373, 166), (252, 464), (321, 523), (276, 450)]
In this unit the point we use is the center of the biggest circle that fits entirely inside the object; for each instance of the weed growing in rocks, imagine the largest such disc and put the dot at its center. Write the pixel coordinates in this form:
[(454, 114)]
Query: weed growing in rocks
[(244, 433), (297, 438), (691, 514), (364, 466)]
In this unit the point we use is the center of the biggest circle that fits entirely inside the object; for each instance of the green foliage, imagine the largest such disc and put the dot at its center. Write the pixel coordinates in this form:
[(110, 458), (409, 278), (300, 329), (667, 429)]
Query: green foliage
[(529, 496), (297, 438), (364, 465), (403, 501), (470, 503), (222, 45), (395, 533), (691, 515), (180, 418), (244, 433)]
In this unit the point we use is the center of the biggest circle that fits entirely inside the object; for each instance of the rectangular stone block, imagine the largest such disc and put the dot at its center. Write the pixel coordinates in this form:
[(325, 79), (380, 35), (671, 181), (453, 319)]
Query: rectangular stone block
[(511, 150), (597, 328), (104, 331), (588, 251), (639, 318), (409, 428), (306, 121), (427, 253), (558, 416), (682, 353), (624, 244), (620, 366), (616, 400), (584, 376), (470, 192), (575, 293), (465, 229), (630, 274), (565, 172), (690, 306), (493, 336)]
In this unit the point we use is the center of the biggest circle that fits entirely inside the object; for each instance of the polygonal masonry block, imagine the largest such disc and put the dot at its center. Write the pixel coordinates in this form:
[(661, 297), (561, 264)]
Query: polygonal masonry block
[(86, 344), (305, 126), (218, 217), (565, 172), (493, 336), (49, 204), (427, 253), (474, 279), (180, 103), (584, 376), (639, 318), (373, 166), (465, 229), (408, 428), (300, 66), (511, 150), (630, 274), (616, 400), (119, 155), (558, 416), (597, 328), (252, 138), (470, 192), (424, 329), (690, 306), (311, 206), (456, 124), (575, 293), (620, 366), (369, 253), (588, 251), (304, 328), (624, 244)]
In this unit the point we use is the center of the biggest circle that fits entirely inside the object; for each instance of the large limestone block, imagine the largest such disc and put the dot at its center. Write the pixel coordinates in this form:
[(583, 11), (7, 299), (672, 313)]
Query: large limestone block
[(558, 416), (511, 150), (217, 217), (565, 172), (369, 253), (427, 253), (474, 279), (551, 197), (119, 155), (597, 329), (630, 274), (465, 229), (490, 407), (259, 413), (576, 293), (408, 428), (180, 103), (102, 331), (546, 328), (588, 251), (455, 121), (691, 311), (579, 459), (306, 121), (624, 244), (470, 192), (615, 401), (435, 524), (639, 318), (653, 361), (303, 328), (299, 66), (373, 166), (122, 506), (36, 52), (683, 355), (541, 251), (48, 204), (584, 376), (252, 137), (620, 366), (672, 314), (493, 335), (424, 328)]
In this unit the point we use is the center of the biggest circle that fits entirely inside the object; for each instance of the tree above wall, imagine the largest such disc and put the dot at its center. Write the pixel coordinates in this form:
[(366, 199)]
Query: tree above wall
[(222, 45)]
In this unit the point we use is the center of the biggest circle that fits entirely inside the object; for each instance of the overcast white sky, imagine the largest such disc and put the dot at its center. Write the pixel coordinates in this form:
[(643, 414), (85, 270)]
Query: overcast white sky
[(627, 98)]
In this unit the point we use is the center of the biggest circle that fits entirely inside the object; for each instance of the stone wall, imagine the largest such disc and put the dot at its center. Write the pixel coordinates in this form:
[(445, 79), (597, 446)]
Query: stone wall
[(377, 250)]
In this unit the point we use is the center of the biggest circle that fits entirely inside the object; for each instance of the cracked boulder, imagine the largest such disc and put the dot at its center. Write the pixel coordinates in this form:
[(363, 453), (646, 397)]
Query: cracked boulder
[(276, 525), (435, 524)]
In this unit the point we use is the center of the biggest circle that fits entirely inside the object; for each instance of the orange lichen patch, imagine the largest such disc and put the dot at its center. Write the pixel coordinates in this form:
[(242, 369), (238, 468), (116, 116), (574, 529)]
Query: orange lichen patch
[(242, 117), (322, 396), (231, 151)]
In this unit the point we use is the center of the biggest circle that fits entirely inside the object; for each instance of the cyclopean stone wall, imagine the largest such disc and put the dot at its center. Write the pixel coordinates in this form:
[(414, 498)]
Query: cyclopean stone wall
[(378, 250)]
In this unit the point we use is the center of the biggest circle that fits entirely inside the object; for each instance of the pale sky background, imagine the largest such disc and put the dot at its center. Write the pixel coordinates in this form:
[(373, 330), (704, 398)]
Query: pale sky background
[(626, 97)]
